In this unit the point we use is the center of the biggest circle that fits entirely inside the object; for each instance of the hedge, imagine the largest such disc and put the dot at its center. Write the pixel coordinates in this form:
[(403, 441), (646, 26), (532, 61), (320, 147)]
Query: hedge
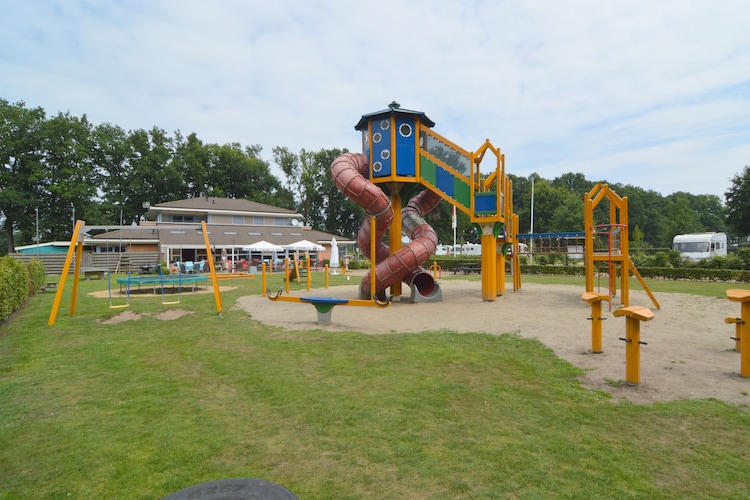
[(18, 280)]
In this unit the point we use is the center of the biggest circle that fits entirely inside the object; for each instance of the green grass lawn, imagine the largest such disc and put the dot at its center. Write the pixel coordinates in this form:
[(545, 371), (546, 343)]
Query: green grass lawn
[(139, 409)]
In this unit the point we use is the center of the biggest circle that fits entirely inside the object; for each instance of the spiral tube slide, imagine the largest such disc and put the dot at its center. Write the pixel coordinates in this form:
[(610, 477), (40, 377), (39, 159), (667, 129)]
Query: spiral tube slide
[(350, 173)]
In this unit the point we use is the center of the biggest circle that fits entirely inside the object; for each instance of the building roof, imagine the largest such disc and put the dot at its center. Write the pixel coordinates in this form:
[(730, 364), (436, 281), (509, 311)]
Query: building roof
[(213, 204)]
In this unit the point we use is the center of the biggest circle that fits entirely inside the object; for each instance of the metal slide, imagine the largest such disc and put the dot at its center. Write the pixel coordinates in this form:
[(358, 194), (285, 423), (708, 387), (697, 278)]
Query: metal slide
[(350, 173)]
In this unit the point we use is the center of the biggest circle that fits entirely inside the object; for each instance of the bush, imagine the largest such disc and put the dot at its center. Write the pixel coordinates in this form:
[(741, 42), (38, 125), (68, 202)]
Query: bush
[(37, 275), (14, 285)]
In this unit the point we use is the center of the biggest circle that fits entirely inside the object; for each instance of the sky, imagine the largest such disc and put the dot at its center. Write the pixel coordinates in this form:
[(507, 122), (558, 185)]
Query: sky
[(651, 93)]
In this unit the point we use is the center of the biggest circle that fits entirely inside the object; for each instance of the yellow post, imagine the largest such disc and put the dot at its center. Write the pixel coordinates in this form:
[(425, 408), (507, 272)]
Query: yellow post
[(633, 317), (743, 297), (326, 275), (500, 266), (212, 267), (286, 273), (64, 274), (595, 299), (76, 276), (489, 265), (394, 236), (263, 279), (737, 332), (373, 288), (308, 274)]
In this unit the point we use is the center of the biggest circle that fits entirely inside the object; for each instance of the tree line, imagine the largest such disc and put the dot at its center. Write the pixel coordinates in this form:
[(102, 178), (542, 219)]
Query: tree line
[(57, 169)]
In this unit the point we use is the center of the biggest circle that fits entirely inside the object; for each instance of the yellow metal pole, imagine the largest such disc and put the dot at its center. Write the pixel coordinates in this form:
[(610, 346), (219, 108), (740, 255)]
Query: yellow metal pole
[(500, 266), (326, 275), (308, 275), (263, 286), (373, 288), (212, 267), (489, 266), (745, 340), (64, 273), (286, 273), (76, 277), (394, 237)]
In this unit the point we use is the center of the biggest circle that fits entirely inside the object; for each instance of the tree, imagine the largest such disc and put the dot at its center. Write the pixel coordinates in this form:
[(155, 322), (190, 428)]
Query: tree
[(738, 203), (20, 167), (69, 176)]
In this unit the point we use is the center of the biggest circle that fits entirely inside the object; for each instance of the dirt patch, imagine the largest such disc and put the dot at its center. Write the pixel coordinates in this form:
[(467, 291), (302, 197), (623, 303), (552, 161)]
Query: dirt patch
[(689, 353), (132, 316)]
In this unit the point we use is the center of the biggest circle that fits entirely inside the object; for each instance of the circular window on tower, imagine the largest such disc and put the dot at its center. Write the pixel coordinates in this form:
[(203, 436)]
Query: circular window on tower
[(376, 137), (385, 124), (377, 166), (385, 154), (405, 130)]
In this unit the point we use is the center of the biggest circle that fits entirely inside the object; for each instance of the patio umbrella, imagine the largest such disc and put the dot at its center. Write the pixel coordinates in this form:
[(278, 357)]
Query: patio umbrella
[(334, 261), (304, 246), (264, 246)]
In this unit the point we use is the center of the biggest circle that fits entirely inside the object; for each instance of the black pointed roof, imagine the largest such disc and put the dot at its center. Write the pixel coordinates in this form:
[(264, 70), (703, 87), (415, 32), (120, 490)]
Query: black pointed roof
[(394, 108)]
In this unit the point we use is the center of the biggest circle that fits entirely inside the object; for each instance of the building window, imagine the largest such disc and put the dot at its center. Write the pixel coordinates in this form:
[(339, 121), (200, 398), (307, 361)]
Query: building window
[(258, 220), (238, 220), (183, 218)]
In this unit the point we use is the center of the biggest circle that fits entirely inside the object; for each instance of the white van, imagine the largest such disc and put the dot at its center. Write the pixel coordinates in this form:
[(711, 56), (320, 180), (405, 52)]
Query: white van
[(699, 246)]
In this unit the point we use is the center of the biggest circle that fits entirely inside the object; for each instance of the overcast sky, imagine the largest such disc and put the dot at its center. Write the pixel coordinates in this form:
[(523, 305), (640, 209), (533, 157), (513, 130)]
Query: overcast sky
[(650, 93)]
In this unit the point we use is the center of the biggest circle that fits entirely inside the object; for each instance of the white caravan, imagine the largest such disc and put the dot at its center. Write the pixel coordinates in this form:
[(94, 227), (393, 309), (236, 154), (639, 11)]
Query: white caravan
[(699, 246)]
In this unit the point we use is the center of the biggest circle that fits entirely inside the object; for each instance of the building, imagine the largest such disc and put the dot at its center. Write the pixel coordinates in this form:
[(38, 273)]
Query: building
[(174, 230)]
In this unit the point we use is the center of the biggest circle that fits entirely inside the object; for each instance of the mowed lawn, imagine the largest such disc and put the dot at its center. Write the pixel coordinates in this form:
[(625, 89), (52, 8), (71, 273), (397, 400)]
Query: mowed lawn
[(142, 408)]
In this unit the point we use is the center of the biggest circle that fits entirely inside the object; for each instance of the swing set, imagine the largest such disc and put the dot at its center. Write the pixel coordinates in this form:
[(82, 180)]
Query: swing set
[(76, 250)]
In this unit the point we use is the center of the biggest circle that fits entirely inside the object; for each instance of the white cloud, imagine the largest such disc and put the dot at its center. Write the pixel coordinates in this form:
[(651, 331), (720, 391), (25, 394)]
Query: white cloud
[(654, 94)]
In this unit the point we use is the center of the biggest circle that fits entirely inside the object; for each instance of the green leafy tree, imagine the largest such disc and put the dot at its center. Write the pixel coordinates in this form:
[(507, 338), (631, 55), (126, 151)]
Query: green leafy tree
[(738, 203), (70, 177), (21, 171)]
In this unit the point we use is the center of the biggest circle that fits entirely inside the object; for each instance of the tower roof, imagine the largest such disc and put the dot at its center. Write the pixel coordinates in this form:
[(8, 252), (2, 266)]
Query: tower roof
[(394, 108)]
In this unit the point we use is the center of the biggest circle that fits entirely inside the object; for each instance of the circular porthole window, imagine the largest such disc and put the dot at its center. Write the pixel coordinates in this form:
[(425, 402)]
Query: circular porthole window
[(377, 166), (405, 130), (376, 137), (385, 124), (385, 154)]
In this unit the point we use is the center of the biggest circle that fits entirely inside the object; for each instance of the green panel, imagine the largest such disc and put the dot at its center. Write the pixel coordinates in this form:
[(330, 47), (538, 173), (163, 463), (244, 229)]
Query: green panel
[(428, 170), (462, 192)]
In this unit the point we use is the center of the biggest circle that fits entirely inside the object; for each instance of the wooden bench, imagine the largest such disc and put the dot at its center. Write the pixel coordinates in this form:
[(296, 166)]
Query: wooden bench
[(51, 285), (93, 273)]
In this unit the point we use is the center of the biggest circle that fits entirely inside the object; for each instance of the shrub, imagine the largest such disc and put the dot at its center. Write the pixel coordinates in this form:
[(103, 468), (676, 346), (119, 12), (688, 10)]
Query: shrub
[(37, 275), (14, 285)]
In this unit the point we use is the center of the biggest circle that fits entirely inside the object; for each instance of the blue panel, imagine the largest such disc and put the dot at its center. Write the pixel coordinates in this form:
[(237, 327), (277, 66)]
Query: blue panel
[(406, 149), (445, 181), (485, 203), (381, 148)]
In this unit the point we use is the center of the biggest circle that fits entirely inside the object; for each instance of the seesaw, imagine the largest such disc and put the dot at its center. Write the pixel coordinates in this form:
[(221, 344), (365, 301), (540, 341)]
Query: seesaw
[(324, 305)]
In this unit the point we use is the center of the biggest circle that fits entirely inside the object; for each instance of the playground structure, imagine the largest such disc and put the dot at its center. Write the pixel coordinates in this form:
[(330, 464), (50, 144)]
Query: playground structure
[(76, 250), (607, 243), (402, 153)]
